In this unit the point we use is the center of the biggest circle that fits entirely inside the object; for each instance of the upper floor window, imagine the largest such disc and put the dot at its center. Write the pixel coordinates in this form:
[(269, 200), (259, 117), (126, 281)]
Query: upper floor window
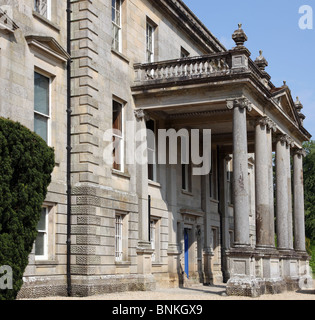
[(151, 150), (118, 152), (150, 42), (42, 106), (43, 7), (116, 25)]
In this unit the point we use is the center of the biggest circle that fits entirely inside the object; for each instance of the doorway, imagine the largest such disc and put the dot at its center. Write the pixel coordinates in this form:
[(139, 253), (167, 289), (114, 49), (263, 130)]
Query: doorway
[(186, 241)]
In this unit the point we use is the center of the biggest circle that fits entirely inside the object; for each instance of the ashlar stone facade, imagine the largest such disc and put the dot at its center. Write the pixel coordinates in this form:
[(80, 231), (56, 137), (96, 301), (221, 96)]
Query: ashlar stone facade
[(130, 65)]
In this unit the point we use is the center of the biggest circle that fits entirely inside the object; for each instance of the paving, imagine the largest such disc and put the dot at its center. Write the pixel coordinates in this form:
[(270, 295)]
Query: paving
[(198, 292)]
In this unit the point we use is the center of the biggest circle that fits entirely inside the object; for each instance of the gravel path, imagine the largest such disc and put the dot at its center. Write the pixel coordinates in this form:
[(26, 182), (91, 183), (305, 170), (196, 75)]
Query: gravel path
[(195, 293)]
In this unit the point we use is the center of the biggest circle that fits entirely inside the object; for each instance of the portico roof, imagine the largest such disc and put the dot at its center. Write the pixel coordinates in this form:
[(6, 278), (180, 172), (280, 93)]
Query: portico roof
[(202, 84)]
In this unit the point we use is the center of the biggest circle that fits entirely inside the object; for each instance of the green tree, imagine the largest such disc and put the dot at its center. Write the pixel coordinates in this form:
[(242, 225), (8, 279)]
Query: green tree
[(25, 173), (309, 183)]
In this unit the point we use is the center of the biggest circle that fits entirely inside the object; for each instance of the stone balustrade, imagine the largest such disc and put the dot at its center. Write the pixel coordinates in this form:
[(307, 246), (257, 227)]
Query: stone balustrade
[(185, 68)]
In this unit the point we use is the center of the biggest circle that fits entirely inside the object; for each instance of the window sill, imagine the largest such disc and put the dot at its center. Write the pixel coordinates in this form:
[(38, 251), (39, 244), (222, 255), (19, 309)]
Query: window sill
[(120, 174), (46, 21), (120, 55), (154, 184), (214, 200), (46, 263), (187, 193), (122, 263), (157, 264)]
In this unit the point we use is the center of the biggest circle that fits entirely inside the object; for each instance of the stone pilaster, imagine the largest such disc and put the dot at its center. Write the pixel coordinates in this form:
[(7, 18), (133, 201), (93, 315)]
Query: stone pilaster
[(84, 94), (85, 158)]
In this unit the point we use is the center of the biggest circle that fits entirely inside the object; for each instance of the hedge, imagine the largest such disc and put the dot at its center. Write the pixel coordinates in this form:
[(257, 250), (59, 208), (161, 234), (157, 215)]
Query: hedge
[(25, 173)]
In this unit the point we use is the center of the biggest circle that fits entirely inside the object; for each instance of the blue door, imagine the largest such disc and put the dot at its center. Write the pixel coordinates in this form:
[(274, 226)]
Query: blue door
[(186, 239)]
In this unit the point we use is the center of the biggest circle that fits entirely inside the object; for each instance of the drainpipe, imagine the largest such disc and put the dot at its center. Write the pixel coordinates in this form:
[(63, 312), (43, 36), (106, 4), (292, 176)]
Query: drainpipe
[(69, 290), (149, 214)]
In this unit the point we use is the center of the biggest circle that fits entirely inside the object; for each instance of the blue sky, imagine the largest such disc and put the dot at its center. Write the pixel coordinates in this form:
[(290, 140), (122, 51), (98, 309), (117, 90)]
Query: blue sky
[(271, 26)]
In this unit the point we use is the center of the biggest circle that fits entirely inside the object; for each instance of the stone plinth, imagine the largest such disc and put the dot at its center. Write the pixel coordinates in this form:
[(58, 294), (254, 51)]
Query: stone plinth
[(269, 269), (243, 280)]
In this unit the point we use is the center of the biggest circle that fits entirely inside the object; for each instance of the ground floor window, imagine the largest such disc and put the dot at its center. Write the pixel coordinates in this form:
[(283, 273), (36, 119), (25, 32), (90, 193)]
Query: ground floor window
[(155, 239), (41, 242), (121, 237)]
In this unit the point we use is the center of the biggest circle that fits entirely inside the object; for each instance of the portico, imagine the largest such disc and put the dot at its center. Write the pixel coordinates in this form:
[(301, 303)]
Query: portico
[(249, 117)]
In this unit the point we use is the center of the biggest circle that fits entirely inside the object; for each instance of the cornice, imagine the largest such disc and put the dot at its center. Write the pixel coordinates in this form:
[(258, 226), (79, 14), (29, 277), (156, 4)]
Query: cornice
[(190, 22)]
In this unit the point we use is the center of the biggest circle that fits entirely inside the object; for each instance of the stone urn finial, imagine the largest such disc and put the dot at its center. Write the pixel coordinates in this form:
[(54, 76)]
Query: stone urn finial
[(261, 62), (239, 36), (299, 107), (298, 104)]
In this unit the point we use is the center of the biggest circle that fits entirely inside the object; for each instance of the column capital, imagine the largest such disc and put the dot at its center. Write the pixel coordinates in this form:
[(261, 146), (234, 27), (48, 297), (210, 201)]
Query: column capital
[(242, 103), (271, 125), (299, 152), (140, 115), (261, 121), (285, 139), (265, 121)]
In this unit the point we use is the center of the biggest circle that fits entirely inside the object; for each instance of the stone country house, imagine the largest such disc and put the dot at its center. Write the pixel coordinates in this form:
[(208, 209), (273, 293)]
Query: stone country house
[(72, 70)]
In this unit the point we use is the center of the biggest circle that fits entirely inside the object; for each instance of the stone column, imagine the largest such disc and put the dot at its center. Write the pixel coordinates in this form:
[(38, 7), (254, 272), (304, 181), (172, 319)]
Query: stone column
[(224, 207), (299, 215), (241, 258), (282, 192), (267, 261), (240, 169), (272, 128), (173, 250), (290, 209), (144, 250), (207, 247), (263, 232)]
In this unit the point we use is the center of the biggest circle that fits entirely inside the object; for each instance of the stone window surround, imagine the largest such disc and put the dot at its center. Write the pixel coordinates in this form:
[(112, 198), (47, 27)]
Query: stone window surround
[(49, 56), (49, 9), (115, 25), (50, 257), (123, 140), (124, 238), (47, 116), (157, 239)]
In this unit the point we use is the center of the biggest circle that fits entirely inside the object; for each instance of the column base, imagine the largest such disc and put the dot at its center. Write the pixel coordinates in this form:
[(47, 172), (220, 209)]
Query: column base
[(275, 286), (268, 267), (243, 280), (244, 287)]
